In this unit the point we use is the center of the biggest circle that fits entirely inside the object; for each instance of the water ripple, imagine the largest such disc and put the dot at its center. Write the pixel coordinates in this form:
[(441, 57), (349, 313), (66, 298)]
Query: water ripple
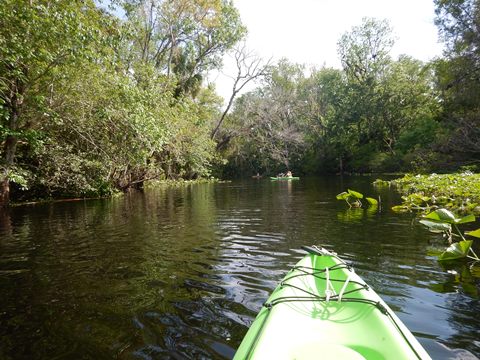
[(181, 273)]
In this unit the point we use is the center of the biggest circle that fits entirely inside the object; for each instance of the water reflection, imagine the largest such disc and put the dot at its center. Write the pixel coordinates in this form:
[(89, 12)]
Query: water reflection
[(182, 272), (462, 279)]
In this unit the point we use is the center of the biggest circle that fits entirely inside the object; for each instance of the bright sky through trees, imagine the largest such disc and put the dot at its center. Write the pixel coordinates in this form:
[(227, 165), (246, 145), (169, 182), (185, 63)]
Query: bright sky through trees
[(307, 31)]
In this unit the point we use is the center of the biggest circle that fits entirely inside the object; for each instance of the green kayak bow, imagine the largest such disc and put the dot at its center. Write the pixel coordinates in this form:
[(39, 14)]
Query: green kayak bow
[(323, 310)]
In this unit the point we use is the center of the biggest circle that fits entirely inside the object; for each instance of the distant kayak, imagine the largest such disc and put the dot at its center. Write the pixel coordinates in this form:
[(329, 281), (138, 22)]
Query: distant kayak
[(284, 178), (323, 310)]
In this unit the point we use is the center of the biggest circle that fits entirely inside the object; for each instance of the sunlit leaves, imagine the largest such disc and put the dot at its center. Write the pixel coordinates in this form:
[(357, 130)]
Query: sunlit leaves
[(436, 227), (349, 195), (39, 42), (364, 51), (444, 221), (400, 208), (381, 183), (454, 192), (465, 219), (183, 38), (103, 123), (458, 250), (474, 233), (353, 199), (446, 216), (443, 215), (343, 196), (355, 194)]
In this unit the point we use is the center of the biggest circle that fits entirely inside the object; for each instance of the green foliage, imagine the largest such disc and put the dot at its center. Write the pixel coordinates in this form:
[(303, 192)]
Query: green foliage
[(475, 233), (272, 123), (39, 42), (369, 117), (459, 23), (447, 217), (445, 222), (353, 199), (355, 194), (457, 192), (91, 104), (381, 183), (183, 39), (436, 227), (364, 51), (428, 194), (424, 132), (456, 251)]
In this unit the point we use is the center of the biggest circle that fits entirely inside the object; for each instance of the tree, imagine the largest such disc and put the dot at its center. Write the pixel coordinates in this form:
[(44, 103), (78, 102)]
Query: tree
[(407, 99), (458, 77), (271, 121), (249, 68), (325, 93), (184, 38), (364, 51), (37, 40)]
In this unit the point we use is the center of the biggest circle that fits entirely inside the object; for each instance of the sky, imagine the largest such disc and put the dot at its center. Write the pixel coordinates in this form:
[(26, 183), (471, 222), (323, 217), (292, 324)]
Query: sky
[(307, 31)]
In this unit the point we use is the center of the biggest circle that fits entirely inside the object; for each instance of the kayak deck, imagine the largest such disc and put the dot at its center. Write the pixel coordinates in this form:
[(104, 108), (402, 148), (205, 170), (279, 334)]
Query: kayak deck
[(323, 309)]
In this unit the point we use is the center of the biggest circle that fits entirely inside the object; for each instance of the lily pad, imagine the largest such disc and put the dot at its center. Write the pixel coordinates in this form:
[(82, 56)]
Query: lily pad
[(474, 233), (465, 219), (372, 201), (343, 196), (436, 227), (442, 215), (457, 250), (355, 194), (400, 208), (446, 216)]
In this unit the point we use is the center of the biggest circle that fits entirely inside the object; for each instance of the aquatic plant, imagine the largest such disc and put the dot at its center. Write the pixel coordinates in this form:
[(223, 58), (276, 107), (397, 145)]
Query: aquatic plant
[(443, 221), (353, 198), (456, 192)]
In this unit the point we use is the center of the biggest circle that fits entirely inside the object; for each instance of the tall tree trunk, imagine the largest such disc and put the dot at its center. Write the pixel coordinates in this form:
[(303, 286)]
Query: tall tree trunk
[(10, 148)]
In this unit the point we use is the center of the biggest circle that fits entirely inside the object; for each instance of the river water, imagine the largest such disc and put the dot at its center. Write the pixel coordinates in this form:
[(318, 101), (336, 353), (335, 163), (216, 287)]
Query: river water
[(180, 273)]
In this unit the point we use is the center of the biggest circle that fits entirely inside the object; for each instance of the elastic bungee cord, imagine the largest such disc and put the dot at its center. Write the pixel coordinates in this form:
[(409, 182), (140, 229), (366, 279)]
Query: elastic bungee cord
[(329, 295)]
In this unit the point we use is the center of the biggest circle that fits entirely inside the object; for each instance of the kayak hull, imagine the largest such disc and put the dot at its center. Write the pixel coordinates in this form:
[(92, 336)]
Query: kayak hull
[(284, 178), (297, 321)]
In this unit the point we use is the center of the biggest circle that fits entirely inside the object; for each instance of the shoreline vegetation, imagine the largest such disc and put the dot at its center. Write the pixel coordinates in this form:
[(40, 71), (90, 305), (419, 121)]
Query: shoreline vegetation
[(458, 192), (93, 103)]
